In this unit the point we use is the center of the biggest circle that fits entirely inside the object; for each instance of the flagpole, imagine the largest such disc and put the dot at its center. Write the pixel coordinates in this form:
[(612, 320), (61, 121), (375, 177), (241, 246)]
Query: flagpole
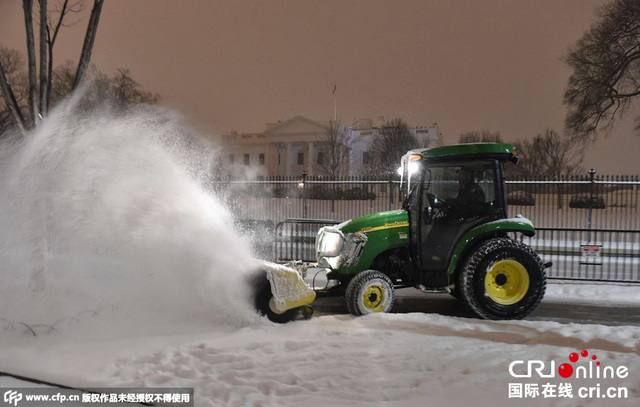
[(335, 103)]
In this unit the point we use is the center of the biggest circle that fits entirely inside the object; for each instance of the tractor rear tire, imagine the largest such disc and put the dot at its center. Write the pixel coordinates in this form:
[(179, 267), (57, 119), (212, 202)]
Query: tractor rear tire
[(503, 279), (369, 292)]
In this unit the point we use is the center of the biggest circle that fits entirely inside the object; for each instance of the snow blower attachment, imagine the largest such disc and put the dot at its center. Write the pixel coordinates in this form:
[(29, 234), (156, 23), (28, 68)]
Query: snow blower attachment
[(281, 294)]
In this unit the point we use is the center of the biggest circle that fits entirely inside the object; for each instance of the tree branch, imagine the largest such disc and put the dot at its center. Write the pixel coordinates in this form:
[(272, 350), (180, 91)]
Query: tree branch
[(10, 101), (44, 67), (89, 39), (31, 56)]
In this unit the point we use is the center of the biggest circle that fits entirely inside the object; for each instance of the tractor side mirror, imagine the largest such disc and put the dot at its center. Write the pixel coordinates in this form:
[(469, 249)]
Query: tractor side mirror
[(427, 179)]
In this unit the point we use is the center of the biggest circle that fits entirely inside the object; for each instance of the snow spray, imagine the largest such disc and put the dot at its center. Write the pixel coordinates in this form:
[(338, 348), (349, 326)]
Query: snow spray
[(106, 212)]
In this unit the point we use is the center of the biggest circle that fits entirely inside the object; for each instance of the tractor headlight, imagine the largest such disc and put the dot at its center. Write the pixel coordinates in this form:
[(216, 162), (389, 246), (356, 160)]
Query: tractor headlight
[(329, 243), (337, 250)]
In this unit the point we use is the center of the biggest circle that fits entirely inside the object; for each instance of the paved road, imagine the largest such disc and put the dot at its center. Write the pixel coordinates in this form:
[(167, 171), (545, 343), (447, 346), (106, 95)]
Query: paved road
[(412, 300)]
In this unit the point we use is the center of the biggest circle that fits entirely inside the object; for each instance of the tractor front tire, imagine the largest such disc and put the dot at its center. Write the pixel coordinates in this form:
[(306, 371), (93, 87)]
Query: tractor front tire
[(503, 279), (368, 292)]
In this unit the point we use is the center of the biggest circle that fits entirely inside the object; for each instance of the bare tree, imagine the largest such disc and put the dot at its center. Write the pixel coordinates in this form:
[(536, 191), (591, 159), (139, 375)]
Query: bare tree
[(11, 66), (485, 136), (120, 90), (127, 91), (548, 155), (44, 62), (333, 154), (38, 88), (89, 39), (388, 146), (606, 70), (31, 56), (62, 10)]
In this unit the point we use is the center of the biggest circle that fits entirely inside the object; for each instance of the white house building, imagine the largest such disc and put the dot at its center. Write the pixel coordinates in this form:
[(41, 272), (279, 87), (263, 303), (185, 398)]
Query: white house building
[(288, 148), (283, 149)]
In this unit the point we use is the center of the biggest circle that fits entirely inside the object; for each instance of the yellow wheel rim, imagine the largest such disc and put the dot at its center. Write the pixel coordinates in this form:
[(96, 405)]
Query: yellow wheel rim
[(507, 282), (373, 298)]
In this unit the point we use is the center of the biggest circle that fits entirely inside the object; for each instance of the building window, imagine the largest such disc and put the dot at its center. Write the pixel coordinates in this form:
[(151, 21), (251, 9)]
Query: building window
[(247, 159), (261, 159), (320, 158), (232, 159), (300, 158)]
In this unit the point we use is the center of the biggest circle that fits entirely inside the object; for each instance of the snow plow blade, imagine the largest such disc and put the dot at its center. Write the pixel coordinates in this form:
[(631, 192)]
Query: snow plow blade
[(280, 293)]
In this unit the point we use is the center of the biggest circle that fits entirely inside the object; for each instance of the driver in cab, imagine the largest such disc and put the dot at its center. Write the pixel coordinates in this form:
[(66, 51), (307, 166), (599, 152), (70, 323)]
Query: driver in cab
[(470, 199)]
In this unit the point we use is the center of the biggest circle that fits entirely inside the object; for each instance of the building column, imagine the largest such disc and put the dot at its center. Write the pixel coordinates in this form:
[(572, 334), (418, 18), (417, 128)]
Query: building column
[(310, 159), (287, 161), (269, 159)]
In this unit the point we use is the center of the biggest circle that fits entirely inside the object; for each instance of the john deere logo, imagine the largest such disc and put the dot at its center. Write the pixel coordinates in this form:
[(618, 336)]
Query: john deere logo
[(392, 225)]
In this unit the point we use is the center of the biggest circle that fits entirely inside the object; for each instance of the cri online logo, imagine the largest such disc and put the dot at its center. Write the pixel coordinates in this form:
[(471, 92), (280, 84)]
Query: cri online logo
[(566, 370)]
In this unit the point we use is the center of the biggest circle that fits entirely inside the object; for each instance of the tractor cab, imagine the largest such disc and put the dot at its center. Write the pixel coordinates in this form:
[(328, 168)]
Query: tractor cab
[(449, 194)]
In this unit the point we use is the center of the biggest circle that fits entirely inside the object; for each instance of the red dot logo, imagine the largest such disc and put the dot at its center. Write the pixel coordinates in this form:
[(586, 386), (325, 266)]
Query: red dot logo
[(565, 370), (584, 353), (573, 357)]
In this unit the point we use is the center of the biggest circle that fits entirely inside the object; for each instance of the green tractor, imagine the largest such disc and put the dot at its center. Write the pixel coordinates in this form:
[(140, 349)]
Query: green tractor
[(452, 236)]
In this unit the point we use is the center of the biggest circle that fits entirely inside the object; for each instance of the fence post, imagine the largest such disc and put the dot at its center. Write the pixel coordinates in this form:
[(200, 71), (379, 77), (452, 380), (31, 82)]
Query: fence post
[(390, 192), (334, 192), (560, 189), (304, 195), (592, 174)]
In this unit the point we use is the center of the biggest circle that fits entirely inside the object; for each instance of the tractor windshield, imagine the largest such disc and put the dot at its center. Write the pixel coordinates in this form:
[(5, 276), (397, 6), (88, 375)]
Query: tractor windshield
[(468, 188)]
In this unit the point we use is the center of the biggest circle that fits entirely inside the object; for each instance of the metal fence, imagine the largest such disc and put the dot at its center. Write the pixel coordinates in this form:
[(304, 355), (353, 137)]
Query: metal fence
[(586, 202), (587, 226), (280, 198)]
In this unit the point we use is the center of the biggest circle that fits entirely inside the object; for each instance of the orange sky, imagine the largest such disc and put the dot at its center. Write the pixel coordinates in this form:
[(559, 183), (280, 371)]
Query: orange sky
[(238, 64)]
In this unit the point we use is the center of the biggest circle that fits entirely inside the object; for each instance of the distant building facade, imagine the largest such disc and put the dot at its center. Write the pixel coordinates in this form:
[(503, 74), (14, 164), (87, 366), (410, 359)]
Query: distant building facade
[(283, 149), (364, 130), (288, 148)]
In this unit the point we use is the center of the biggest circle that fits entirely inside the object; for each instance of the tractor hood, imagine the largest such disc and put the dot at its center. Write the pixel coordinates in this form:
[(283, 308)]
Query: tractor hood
[(352, 246), (376, 222)]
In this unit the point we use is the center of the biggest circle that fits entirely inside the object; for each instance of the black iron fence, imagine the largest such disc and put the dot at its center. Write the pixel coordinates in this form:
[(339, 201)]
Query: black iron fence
[(593, 254), (280, 198), (585, 202), (295, 239), (587, 226)]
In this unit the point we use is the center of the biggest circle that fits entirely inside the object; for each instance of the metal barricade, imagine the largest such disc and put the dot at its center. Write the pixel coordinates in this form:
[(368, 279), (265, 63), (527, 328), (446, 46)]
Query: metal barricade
[(295, 239)]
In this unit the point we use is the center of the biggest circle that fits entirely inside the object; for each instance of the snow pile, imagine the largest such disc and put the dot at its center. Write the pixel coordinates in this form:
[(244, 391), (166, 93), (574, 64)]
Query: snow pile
[(597, 294), (382, 359), (388, 359), (105, 214)]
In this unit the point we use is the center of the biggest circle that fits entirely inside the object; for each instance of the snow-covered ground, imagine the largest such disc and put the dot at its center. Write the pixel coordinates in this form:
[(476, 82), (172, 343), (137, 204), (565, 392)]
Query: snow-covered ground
[(409, 359)]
